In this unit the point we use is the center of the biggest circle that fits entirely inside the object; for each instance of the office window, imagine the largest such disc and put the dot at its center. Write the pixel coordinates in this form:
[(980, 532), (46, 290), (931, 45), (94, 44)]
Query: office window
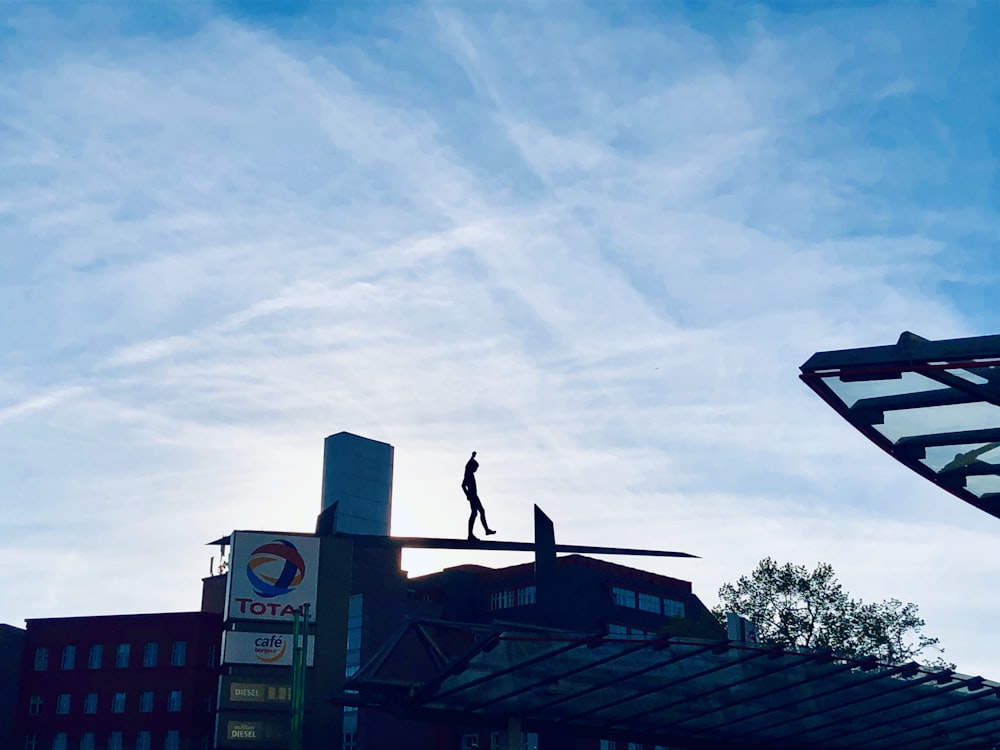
[(62, 703), (470, 742), (635, 746), (350, 741), (41, 658), (34, 705), (122, 655), (68, 657), (90, 703), (178, 654), (149, 654), (608, 744), (502, 599), (616, 629), (174, 700), (623, 598), (172, 741), (115, 741), (673, 608), (146, 701), (95, 657), (649, 603), (525, 595), (31, 742), (87, 741), (118, 703), (59, 741), (143, 740)]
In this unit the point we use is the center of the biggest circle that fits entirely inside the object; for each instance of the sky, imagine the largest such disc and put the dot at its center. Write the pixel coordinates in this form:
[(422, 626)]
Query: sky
[(591, 241)]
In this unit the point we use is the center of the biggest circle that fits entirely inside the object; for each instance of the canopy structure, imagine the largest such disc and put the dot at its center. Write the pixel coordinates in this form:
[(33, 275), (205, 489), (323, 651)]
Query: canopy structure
[(678, 692), (932, 405)]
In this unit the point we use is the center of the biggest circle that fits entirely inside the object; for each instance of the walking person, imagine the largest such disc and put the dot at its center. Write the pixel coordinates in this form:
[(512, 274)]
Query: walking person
[(472, 495)]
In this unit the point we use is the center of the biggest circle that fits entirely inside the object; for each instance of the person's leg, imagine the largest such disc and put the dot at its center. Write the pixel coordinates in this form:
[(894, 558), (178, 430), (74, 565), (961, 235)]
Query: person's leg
[(482, 517), (472, 519)]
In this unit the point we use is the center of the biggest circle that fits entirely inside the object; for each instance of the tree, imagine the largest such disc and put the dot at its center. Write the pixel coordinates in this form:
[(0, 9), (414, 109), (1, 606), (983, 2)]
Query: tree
[(792, 606)]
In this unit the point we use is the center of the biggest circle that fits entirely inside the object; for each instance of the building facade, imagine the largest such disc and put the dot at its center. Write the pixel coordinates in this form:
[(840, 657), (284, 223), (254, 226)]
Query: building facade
[(120, 682)]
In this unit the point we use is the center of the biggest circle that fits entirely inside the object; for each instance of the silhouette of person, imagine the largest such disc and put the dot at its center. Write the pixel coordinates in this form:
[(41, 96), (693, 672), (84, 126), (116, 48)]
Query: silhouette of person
[(472, 495)]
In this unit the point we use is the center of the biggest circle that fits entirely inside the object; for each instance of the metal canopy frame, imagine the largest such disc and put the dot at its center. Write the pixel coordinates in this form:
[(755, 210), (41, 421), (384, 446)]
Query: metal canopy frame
[(678, 691), (932, 405)]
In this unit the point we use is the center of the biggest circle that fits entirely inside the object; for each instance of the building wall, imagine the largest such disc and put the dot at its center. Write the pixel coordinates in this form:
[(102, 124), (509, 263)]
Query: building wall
[(74, 686), (11, 648)]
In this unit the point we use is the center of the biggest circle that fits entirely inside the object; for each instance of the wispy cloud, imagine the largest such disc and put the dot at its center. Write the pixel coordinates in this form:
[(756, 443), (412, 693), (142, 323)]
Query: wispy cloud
[(593, 249)]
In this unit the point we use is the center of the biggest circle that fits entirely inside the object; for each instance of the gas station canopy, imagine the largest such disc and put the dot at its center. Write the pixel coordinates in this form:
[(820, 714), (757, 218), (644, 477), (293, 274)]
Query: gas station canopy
[(932, 405)]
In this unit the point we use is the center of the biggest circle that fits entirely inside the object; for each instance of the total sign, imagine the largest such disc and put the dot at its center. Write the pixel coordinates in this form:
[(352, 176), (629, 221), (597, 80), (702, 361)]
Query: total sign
[(271, 576)]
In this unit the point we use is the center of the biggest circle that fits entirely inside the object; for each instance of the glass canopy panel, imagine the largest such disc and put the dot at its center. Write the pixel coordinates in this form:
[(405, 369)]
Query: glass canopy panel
[(697, 693), (933, 405), (851, 391)]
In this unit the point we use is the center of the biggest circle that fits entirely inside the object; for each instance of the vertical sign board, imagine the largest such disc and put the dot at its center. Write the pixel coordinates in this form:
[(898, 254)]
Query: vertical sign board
[(271, 575)]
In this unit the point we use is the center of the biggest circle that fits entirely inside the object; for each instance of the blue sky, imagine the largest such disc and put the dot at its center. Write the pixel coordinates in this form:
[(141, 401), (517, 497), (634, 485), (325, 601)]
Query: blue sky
[(591, 241)]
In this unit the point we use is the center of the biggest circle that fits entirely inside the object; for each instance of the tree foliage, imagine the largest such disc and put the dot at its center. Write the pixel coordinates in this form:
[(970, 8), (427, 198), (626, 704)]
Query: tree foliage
[(793, 606)]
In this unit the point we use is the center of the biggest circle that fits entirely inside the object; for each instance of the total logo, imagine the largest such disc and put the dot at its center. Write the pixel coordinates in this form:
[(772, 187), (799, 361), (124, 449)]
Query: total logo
[(269, 649), (275, 569)]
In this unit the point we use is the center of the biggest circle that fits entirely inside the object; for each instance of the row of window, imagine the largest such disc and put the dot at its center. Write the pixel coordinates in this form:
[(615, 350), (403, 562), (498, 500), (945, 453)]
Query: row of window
[(498, 741), (123, 653), (143, 740), (508, 598), (64, 703), (628, 631), (660, 605)]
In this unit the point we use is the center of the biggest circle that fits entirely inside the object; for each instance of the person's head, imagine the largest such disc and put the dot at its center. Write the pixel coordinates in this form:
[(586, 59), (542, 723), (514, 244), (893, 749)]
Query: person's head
[(473, 454)]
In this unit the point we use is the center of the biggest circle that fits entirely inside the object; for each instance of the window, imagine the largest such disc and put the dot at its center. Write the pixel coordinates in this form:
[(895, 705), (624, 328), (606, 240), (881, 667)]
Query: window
[(146, 701), (635, 746), (34, 705), (149, 654), (41, 658), (616, 629), (68, 657), (623, 598), (178, 654), (649, 603), (355, 621), (90, 703), (31, 742), (115, 741), (62, 703), (501, 600), (174, 700), (95, 657), (350, 741), (59, 741), (118, 703), (143, 740), (673, 608), (122, 655), (172, 741), (87, 741), (609, 744), (525, 595), (470, 742)]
